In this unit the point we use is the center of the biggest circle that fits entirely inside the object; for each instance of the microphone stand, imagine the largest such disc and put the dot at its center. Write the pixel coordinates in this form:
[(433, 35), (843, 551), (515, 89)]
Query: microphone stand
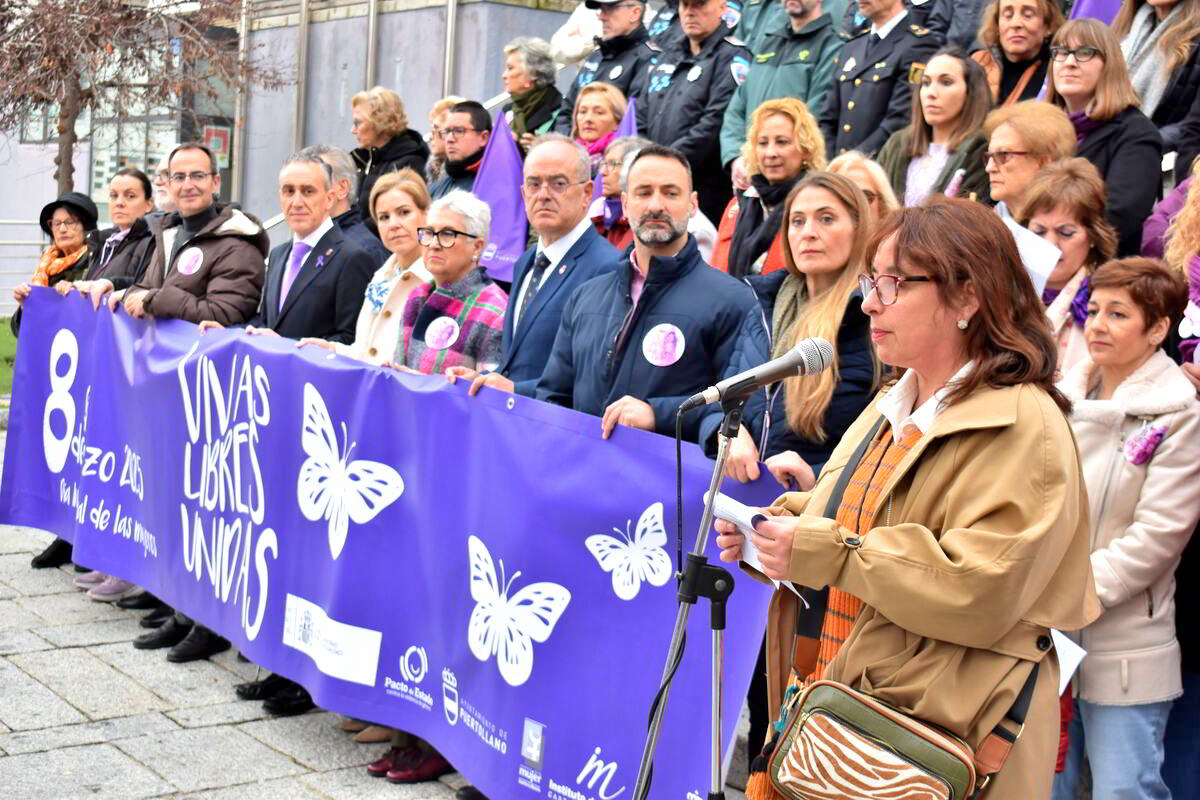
[(699, 579)]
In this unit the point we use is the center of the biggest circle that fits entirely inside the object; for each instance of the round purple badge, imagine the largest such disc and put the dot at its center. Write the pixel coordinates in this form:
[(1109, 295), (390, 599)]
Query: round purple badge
[(663, 345), (441, 333)]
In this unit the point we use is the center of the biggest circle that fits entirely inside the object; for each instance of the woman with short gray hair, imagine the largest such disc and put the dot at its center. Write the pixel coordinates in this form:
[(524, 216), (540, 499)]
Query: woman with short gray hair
[(457, 319), (529, 73)]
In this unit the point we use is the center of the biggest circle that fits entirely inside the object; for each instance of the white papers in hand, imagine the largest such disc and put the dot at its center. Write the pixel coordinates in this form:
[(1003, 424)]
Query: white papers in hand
[(745, 518), (1037, 254), (1070, 655)]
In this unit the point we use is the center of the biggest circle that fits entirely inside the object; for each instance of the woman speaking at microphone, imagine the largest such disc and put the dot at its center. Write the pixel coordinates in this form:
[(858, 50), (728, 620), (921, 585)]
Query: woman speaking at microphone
[(960, 537)]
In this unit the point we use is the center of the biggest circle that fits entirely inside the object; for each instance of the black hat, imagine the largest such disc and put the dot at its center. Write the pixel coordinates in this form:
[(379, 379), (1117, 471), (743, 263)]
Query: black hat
[(594, 4), (79, 204)]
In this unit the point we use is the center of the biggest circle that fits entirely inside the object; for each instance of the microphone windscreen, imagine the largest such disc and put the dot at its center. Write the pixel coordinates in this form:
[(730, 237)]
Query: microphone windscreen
[(818, 355)]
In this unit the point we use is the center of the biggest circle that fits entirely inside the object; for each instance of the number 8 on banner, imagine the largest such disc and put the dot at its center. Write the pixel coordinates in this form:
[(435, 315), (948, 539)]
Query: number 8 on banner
[(57, 449)]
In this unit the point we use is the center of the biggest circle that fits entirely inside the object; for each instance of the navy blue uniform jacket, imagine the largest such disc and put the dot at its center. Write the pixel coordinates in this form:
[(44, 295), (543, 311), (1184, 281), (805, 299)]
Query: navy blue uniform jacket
[(527, 349), (598, 356)]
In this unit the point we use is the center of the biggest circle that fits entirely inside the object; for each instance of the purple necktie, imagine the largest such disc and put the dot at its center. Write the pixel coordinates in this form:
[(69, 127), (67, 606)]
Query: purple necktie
[(300, 252)]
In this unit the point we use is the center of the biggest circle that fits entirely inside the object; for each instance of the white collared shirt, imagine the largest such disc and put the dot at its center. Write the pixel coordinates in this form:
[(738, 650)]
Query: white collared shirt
[(315, 237), (883, 30), (555, 253), (897, 405)]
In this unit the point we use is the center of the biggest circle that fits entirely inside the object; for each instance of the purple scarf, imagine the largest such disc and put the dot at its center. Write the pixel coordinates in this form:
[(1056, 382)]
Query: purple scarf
[(1079, 303), (1084, 125)]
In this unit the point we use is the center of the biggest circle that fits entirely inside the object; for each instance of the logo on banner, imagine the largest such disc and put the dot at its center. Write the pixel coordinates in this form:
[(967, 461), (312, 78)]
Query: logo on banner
[(331, 486), (505, 626), (450, 696), (632, 560), (414, 665), (594, 782), (529, 772)]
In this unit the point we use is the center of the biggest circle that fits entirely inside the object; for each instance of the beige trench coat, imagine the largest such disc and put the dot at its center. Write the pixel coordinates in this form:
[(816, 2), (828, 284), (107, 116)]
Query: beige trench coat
[(979, 548)]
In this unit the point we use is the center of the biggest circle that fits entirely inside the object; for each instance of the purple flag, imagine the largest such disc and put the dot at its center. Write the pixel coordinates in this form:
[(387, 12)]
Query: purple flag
[(1103, 10), (628, 127), (499, 185), (486, 573)]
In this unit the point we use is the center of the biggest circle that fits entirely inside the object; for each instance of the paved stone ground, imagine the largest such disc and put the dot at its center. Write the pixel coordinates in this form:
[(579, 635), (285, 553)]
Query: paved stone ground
[(85, 715)]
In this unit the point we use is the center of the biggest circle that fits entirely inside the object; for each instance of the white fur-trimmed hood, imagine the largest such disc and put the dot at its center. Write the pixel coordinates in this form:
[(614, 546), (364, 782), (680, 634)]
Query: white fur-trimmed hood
[(1156, 387)]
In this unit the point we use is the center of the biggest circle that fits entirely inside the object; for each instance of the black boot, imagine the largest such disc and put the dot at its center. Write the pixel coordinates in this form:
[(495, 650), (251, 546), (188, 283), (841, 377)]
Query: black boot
[(200, 643), (57, 554), (171, 633), (469, 793)]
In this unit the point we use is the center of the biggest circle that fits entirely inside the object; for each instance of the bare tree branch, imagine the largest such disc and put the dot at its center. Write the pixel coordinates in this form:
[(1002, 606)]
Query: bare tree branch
[(65, 57)]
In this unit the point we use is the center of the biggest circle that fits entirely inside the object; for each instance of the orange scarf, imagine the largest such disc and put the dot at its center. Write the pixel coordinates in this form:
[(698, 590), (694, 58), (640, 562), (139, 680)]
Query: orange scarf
[(53, 262)]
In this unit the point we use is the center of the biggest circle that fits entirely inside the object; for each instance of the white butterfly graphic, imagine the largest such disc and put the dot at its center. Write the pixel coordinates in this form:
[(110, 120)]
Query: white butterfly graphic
[(637, 559), (330, 485), (504, 626)]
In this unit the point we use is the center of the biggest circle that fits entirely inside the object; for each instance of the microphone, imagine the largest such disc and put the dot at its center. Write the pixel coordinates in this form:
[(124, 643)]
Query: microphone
[(808, 357)]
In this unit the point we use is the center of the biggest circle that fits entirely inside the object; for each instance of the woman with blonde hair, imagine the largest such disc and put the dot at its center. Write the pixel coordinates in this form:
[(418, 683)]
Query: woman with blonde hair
[(941, 151), (599, 109), (871, 180), (437, 144), (783, 143), (1088, 78), (385, 142), (399, 202), (794, 425), (1159, 40), (1023, 138)]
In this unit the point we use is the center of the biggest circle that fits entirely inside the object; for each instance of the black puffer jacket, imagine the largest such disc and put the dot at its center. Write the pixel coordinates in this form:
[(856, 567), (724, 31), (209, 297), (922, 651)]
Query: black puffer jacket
[(128, 261), (1127, 150), (406, 149)]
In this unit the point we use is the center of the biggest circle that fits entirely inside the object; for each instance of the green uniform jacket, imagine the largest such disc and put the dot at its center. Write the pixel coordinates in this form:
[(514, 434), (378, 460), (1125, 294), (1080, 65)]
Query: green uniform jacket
[(759, 18), (785, 64)]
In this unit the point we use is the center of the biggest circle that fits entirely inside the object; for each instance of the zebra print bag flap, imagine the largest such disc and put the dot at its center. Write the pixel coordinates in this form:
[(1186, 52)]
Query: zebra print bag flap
[(840, 743)]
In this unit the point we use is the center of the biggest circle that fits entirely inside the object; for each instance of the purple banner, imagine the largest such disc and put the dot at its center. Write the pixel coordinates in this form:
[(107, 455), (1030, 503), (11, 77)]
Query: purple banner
[(1103, 10), (487, 573), (498, 184)]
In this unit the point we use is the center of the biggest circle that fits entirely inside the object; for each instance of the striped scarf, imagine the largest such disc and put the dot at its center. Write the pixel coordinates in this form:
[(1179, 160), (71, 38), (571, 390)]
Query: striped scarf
[(864, 493), (461, 324)]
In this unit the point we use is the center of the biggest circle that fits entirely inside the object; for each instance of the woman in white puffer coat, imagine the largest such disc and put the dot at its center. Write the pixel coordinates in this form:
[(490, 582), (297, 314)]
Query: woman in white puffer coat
[(1136, 421)]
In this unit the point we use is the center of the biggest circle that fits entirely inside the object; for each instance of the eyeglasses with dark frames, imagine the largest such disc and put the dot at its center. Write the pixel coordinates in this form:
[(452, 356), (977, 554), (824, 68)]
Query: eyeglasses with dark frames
[(887, 287), (446, 237), (1082, 54), (1002, 157)]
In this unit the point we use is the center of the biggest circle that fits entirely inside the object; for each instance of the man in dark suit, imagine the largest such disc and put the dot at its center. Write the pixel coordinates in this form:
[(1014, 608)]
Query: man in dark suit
[(873, 79), (568, 253), (315, 287), (315, 282)]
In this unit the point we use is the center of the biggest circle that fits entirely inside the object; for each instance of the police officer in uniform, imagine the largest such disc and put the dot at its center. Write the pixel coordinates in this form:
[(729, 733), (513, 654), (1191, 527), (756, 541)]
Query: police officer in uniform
[(683, 102), (621, 58), (794, 60), (873, 79)]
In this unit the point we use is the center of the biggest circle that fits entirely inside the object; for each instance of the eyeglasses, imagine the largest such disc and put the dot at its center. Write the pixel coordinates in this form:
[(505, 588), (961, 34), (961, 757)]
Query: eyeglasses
[(194, 177), (65, 224), (454, 133), (1082, 54), (1002, 157), (162, 176), (446, 237), (887, 287), (616, 164), (556, 185)]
